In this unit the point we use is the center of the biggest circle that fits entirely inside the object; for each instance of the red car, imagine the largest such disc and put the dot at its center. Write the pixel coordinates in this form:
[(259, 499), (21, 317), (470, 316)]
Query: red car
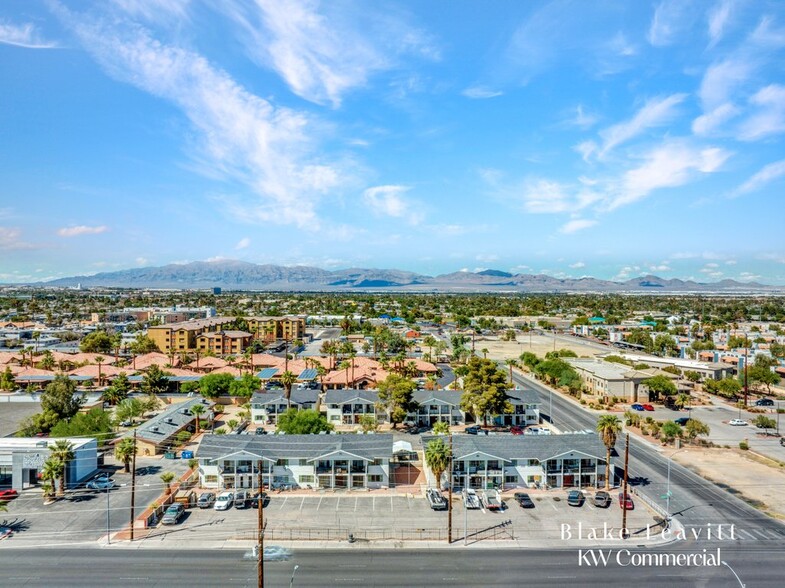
[(625, 501), (516, 430), (648, 407), (6, 494)]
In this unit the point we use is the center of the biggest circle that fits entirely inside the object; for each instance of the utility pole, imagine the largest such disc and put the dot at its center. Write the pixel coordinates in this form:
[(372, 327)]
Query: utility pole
[(449, 499), (624, 488), (133, 485), (260, 528), (746, 361)]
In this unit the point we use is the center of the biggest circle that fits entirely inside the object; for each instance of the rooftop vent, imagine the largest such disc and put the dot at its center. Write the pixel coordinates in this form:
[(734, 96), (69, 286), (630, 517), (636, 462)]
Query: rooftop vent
[(154, 429)]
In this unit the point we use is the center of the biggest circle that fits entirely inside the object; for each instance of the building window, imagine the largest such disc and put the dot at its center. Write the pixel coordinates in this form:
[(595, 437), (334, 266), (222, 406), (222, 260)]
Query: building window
[(211, 479), (281, 462), (510, 479), (375, 477), (307, 479)]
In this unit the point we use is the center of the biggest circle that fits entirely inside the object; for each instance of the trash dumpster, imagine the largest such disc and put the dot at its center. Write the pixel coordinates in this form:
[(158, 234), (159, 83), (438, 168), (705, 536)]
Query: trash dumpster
[(170, 455), (187, 454)]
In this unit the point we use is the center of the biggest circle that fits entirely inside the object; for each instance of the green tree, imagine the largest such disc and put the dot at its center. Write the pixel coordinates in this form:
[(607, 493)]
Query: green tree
[(197, 410), (609, 427), (113, 395), (245, 386), (669, 431), (692, 376), (764, 422), (59, 401), (485, 389), (129, 409), (761, 375), (125, 451), (437, 458), (441, 428), (232, 423), (303, 422), (155, 380), (50, 473), (143, 344), (215, 385), (727, 387), (7, 381), (62, 451), (94, 423), (96, 342), (167, 478), (682, 400), (368, 423), (695, 428), (395, 397), (659, 386)]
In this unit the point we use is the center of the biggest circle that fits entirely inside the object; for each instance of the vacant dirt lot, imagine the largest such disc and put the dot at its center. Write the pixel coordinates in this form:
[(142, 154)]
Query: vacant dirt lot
[(539, 345), (756, 480)]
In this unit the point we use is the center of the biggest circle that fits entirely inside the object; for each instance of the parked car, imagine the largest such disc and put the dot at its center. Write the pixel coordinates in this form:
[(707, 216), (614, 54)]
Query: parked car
[(255, 499), (241, 499), (575, 498), (492, 500), (475, 430), (224, 501), (625, 501), (435, 499), (102, 477), (260, 431), (648, 407), (516, 430), (681, 421), (764, 402), (523, 500), (173, 514), (602, 499), (100, 484), (637, 406), (8, 494), (537, 431), (737, 423), (126, 423), (470, 499), (206, 500)]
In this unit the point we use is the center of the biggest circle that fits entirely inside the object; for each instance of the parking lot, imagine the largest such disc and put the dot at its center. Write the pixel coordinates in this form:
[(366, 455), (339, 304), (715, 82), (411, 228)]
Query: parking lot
[(81, 517), (382, 516)]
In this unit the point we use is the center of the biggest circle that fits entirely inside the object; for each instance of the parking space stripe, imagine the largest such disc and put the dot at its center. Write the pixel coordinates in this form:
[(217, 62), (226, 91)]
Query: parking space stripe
[(285, 498), (320, 502), (356, 500), (337, 503), (302, 503), (373, 503), (748, 535), (391, 504), (554, 507)]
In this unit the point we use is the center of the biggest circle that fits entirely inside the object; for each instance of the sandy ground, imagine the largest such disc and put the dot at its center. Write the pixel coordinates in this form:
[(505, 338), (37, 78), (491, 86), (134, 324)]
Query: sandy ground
[(539, 345), (756, 480)]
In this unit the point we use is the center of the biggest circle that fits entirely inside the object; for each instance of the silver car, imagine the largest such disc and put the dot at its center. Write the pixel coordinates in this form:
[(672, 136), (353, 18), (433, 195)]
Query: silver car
[(224, 501)]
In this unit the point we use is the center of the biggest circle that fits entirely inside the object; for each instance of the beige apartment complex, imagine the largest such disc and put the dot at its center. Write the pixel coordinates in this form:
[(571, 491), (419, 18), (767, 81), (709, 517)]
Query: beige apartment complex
[(271, 328), (183, 336)]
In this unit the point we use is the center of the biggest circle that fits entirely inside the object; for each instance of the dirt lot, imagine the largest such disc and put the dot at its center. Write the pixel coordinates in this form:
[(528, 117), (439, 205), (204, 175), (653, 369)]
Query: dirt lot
[(756, 480), (539, 345)]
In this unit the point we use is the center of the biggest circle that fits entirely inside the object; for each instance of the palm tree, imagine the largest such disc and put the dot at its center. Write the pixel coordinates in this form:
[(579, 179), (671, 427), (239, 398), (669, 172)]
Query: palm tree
[(437, 458), (196, 410), (288, 379), (232, 424), (167, 478), (609, 427), (49, 475), (484, 352), (63, 451), (3, 506), (99, 360), (113, 396), (125, 452), (344, 365), (682, 400), (511, 363)]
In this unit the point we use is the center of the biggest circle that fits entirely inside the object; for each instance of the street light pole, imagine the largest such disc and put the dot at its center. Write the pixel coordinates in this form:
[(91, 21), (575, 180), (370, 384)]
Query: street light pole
[(734, 573), (108, 532), (294, 571)]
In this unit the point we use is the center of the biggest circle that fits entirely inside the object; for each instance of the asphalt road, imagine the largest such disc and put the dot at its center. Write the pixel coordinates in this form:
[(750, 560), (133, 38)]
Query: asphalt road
[(375, 568), (694, 501)]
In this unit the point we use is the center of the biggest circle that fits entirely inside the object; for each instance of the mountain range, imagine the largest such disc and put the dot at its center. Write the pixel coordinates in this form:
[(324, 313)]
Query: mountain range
[(241, 275)]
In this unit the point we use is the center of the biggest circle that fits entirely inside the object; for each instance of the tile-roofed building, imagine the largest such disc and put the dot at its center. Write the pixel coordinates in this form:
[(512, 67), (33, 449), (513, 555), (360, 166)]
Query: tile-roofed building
[(315, 461), (504, 461), (158, 434), (223, 342), (182, 336)]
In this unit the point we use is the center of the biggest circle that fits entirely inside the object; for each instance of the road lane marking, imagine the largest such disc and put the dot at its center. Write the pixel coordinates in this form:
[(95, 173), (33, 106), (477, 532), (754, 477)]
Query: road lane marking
[(355, 504), (337, 502), (373, 503), (391, 504)]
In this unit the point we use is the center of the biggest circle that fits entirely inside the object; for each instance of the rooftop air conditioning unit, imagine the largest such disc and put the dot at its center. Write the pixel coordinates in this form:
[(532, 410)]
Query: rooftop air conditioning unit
[(154, 429)]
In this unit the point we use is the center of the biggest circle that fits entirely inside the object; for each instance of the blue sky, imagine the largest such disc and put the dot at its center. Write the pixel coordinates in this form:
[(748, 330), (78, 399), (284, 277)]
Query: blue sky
[(572, 138)]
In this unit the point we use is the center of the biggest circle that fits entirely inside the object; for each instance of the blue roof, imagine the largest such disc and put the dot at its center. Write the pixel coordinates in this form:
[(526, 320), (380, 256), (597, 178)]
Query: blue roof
[(398, 319), (385, 316), (309, 374), (267, 373)]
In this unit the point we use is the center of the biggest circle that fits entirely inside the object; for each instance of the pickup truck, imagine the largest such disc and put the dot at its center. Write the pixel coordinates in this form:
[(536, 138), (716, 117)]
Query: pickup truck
[(492, 500), (471, 500)]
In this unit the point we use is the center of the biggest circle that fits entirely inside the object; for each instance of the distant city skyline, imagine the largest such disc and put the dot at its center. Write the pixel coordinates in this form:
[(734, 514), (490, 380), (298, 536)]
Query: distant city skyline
[(602, 139)]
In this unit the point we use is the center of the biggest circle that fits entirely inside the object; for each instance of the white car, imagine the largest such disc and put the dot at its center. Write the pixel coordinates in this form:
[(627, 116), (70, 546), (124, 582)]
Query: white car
[(737, 423), (224, 501)]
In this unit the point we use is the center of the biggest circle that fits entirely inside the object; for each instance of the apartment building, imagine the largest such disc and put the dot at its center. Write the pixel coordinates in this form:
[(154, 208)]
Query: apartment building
[(266, 407), (223, 342), (304, 461), (271, 328), (183, 336)]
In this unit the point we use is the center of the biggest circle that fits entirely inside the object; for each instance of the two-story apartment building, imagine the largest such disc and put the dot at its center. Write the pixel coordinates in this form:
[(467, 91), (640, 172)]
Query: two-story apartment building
[(558, 461), (348, 406), (182, 336), (305, 461), (267, 406), (223, 342)]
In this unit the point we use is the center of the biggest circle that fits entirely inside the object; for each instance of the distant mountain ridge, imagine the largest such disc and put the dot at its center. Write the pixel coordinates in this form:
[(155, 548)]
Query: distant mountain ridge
[(242, 275)]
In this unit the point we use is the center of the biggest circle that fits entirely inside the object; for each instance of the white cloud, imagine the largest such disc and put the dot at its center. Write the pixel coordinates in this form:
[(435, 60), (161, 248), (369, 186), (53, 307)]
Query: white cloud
[(487, 257), (656, 112), (243, 243), (141, 261), (748, 276), (577, 224), (11, 239), (721, 79), (81, 230), (769, 119), (586, 149), (663, 267), (389, 201), (706, 123), (767, 174), (238, 135), (718, 19), (545, 196), (767, 36), (322, 51), (481, 92), (155, 10), (671, 17), (581, 119), (731, 262), (577, 265), (673, 163), (23, 35)]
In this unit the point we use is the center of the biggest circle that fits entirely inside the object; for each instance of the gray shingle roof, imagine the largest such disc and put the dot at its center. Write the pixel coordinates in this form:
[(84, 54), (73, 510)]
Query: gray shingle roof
[(179, 420), (539, 447), (299, 396), (296, 446), (348, 395)]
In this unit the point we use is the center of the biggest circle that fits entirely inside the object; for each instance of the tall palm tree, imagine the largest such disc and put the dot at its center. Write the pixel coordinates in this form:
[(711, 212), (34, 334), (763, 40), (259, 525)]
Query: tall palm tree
[(167, 478), (50, 472), (288, 379), (437, 458), (99, 359), (196, 410), (63, 451), (344, 365), (125, 451), (511, 363), (609, 427)]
